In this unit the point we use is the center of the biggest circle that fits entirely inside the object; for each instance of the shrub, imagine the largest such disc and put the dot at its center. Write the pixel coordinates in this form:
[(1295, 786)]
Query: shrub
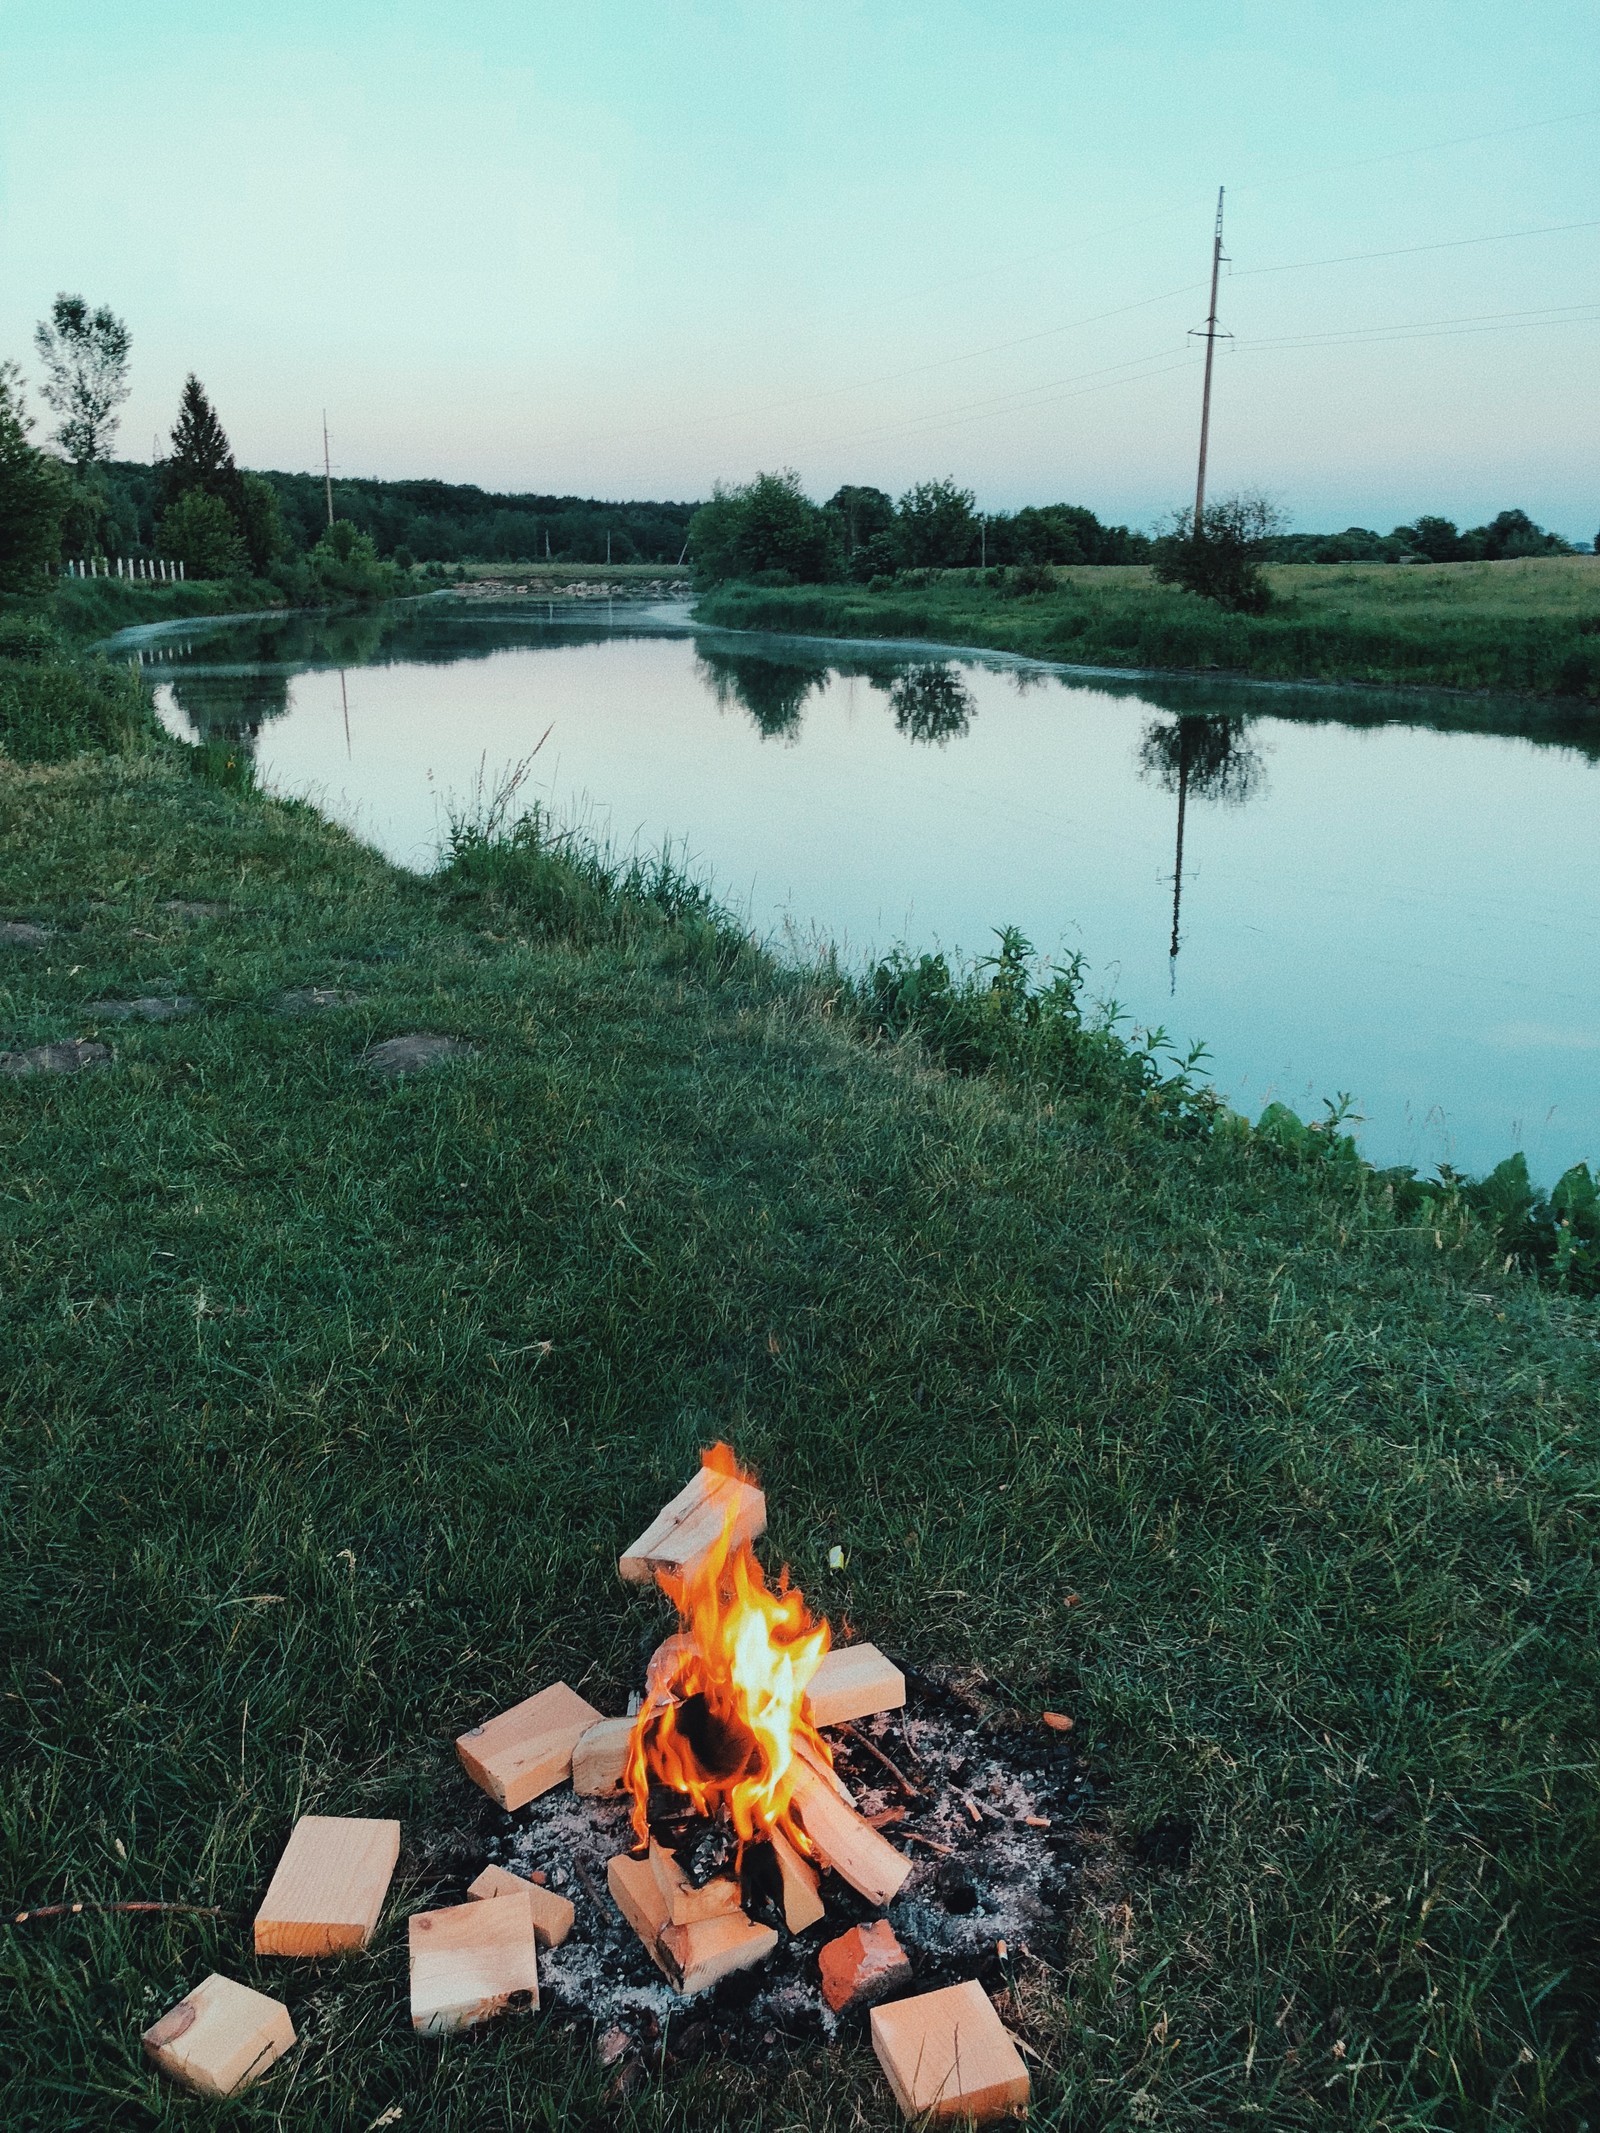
[(1219, 559), (768, 525), (199, 531)]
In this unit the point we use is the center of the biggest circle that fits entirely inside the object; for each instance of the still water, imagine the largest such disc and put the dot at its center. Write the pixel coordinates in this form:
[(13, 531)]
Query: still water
[(1365, 900)]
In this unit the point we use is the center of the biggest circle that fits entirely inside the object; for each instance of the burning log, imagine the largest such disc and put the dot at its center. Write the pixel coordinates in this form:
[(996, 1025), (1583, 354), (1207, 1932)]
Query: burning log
[(802, 1905), (854, 1681), (687, 1903), (473, 1962), (600, 1757), (845, 1843), (528, 1749), (692, 1524), (690, 1957)]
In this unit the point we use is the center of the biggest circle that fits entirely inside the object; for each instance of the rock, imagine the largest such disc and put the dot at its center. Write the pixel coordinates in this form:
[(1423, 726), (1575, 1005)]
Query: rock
[(862, 1965), (149, 1008), (310, 999), (414, 1053), (69, 1058), (22, 933)]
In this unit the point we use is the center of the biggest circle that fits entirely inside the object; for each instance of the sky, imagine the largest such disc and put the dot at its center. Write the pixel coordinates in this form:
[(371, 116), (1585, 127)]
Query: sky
[(633, 248)]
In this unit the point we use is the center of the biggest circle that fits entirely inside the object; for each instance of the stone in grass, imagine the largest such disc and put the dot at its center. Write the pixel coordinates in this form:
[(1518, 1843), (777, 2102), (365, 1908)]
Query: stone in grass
[(862, 1965), (70, 1058), (148, 1008), (413, 1053), (221, 2037), (193, 913), (22, 933), (313, 999)]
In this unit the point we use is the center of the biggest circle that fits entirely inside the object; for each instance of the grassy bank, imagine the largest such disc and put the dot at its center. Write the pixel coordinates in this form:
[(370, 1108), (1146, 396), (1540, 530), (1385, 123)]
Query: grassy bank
[(85, 609), (1530, 627), (327, 1401)]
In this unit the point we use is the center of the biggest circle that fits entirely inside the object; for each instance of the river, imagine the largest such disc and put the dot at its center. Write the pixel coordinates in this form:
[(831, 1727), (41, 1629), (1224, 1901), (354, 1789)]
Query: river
[(1372, 904)]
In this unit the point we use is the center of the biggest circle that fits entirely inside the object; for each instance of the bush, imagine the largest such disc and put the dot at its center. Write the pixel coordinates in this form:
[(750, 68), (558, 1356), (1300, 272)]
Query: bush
[(1219, 559), (33, 495), (344, 565), (59, 707), (199, 531)]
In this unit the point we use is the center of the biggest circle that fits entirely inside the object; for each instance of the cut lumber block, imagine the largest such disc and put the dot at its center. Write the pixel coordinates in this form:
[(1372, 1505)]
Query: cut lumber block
[(802, 1906), (472, 1962), (637, 1895), (947, 2056), (552, 1914), (853, 1681), (601, 1756), (693, 1522), (330, 1884), (852, 1848), (698, 1956), (220, 2037), (862, 1965), (528, 1749), (685, 1903)]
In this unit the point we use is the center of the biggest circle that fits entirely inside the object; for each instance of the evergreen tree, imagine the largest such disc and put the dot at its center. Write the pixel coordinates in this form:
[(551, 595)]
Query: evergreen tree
[(201, 456), (33, 495)]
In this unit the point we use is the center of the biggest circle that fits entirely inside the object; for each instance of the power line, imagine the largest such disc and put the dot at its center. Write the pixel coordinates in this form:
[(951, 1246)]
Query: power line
[(1407, 251)]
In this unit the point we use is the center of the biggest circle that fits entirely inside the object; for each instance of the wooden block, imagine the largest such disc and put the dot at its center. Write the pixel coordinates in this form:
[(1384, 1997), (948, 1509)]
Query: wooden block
[(471, 1963), (528, 1749), (221, 2037), (699, 1955), (693, 1521), (637, 1895), (685, 1903), (802, 1906), (846, 1844), (853, 1681), (947, 2056), (330, 1884), (862, 1965), (601, 1756), (552, 1914)]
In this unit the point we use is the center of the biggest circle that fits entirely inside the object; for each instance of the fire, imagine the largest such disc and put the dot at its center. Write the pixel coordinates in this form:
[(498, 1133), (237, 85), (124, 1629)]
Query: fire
[(723, 1714)]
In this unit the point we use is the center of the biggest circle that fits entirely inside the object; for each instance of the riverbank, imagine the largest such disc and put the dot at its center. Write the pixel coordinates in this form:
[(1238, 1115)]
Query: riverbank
[(1529, 627), (328, 1396)]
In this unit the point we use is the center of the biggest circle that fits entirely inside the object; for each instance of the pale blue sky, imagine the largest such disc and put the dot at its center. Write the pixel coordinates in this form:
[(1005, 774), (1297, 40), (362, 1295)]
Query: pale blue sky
[(627, 248)]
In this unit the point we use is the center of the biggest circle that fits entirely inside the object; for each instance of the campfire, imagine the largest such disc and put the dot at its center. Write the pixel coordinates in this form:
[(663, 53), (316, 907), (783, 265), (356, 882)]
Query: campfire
[(784, 1834)]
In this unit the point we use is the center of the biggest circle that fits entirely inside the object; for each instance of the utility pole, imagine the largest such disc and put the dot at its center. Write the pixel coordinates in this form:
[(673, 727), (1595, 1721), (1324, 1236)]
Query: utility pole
[(1211, 349), (327, 467)]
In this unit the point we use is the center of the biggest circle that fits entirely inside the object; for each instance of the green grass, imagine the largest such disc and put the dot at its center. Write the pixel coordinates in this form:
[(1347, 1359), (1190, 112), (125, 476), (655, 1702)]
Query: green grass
[(1530, 627), (89, 608), (326, 1404)]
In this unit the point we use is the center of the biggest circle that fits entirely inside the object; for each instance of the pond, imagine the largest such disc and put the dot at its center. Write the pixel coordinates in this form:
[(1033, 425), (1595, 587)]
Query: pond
[(1388, 898)]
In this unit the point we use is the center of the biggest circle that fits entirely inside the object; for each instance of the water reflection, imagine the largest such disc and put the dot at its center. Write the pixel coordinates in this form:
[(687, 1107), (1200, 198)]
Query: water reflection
[(1210, 757), (932, 703), (773, 691)]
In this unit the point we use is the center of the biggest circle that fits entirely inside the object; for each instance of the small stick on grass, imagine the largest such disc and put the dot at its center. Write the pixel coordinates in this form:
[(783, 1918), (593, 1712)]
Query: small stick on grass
[(912, 1792), (71, 1910)]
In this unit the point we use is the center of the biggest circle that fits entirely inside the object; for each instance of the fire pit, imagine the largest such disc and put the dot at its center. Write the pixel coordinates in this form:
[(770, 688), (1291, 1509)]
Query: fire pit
[(782, 1835)]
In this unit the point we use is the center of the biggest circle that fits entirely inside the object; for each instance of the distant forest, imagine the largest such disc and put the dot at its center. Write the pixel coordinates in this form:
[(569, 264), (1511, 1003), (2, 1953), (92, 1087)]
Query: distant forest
[(427, 521)]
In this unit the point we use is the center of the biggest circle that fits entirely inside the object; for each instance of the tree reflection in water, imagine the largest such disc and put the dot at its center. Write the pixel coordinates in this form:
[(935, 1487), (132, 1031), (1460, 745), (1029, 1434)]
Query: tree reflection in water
[(230, 709), (1210, 757), (773, 691), (931, 703)]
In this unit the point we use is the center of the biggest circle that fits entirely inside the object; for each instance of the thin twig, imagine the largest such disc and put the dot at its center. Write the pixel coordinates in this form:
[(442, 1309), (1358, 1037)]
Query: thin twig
[(912, 1836), (912, 1792), (71, 1910), (583, 1875)]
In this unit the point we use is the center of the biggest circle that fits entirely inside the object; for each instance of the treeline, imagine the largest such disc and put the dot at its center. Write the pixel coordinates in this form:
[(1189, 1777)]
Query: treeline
[(1428, 540), (769, 532), (424, 521)]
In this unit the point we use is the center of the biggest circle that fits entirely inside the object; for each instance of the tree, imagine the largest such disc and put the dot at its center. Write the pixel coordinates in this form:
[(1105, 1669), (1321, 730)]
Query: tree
[(85, 355), (863, 515), (1435, 538), (200, 532), (769, 527), (938, 526), (32, 493), (1220, 559), (201, 456), (344, 565), (261, 523)]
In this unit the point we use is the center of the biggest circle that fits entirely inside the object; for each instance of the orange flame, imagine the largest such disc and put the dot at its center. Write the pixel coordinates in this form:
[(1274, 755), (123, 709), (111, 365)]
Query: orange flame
[(723, 1714)]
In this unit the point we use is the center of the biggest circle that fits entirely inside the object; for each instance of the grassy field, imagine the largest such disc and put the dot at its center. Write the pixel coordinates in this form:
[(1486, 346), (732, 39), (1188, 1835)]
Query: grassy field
[(1529, 627), (327, 1402)]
